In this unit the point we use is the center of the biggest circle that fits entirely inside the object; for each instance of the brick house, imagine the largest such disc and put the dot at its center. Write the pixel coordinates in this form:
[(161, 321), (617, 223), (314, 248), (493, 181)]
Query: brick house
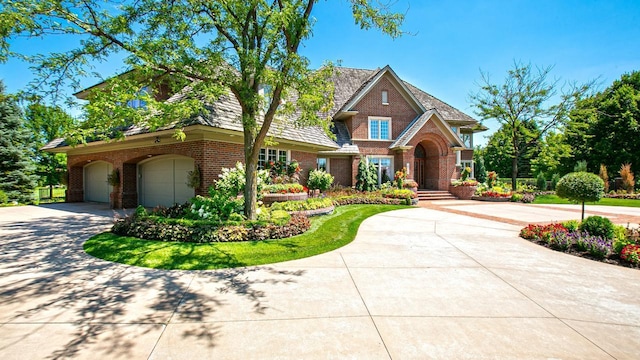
[(376, 116)]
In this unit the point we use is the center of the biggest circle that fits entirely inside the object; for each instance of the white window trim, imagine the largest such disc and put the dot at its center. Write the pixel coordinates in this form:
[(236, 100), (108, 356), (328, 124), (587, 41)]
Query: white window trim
[(266, 151), (470, 163), (391, 173), (462, 135), (328, 163), (382, 118)]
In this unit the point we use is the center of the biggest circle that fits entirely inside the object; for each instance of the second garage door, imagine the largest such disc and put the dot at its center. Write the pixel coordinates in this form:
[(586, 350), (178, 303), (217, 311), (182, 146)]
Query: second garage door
[(164, 181), (96, 187)]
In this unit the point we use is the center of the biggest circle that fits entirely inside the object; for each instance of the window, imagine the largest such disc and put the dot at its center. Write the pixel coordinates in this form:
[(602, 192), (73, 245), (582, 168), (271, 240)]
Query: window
[(385, 97), (467, 140), (384, 166), (138, 103), (454, 129), (380, 128), (322, 164), (467, 164), (274, 155)]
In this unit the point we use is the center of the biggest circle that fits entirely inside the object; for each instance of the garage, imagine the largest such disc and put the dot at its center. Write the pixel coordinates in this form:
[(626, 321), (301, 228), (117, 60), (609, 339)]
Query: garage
[(96, 187), (163, 181)]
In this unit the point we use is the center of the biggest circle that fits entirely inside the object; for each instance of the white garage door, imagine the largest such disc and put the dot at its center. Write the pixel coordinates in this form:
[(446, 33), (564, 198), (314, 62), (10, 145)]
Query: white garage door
[(96, 187), (164, 181)]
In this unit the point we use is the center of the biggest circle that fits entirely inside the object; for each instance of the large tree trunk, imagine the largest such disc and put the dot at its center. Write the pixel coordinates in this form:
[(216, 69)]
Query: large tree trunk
[(251, 174)]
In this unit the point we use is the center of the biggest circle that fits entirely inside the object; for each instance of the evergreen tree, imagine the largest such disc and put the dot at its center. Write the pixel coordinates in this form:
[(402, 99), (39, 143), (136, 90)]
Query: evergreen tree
[(17, 179), (480, 169)]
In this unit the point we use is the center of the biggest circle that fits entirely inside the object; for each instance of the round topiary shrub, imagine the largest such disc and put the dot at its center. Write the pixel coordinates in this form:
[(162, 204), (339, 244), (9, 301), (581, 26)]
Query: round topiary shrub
[(580, 187), (597, 226)]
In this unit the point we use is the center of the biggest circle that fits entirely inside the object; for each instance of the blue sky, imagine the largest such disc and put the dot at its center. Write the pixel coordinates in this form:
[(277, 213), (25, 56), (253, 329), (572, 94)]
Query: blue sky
[(451, 41)]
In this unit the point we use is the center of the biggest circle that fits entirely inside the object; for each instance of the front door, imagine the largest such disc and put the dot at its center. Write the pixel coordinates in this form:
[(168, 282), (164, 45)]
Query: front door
[(418, 171), (419, 156)]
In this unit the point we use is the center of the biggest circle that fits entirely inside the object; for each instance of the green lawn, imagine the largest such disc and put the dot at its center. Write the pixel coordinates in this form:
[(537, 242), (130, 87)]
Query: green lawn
[(554, 199), (327, 233)]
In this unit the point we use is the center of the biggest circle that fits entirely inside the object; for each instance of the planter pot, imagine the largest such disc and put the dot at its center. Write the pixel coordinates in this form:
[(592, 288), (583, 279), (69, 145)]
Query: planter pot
[(269, 199), (462, 192)]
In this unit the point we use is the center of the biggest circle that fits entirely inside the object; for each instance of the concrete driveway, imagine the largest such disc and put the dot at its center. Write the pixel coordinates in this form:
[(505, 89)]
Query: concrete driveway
[(420, 283)]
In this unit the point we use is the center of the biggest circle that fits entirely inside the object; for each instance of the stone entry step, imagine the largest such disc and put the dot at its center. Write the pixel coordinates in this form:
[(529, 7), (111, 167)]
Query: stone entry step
[(430, 195)]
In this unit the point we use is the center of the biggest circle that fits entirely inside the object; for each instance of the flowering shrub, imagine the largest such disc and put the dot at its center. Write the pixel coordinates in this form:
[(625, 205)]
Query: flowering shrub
[(405, 194), (492, 179), (409, 184), (285, 189), (281, 172), (203, 231), (465, 173), (468, 182), (597, 246), (216, 207), (561, 240), (496, 194), (232, 181), (309, 204), (541, 232), (631, 253), (400, 177), (319, 179), (557, 236)]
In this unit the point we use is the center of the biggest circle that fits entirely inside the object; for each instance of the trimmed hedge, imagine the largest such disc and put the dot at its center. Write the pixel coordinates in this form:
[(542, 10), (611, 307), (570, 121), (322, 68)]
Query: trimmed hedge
[(580, 186)]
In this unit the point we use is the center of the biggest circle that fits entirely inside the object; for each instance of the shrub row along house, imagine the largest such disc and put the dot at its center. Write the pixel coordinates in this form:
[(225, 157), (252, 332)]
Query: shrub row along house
[(376, 116)]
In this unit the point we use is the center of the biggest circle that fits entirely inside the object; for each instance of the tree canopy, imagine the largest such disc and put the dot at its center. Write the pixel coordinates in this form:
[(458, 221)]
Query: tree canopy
[(605, 128), (522, 105), (48, 123), (246, 47)]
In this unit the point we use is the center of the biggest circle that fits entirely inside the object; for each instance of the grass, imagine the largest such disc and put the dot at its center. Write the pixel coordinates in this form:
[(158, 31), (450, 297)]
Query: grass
[(327, 233), (554, 199)]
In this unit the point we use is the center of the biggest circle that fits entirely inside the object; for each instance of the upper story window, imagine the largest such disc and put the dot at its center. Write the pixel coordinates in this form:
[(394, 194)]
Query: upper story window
[(380, 128), (385, 97), (138, 103), (454, 129), (467, 140)]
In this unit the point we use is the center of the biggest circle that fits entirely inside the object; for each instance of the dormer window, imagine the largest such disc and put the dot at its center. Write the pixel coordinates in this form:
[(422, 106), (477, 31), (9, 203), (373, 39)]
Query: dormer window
[(138, 103), (385, 97)]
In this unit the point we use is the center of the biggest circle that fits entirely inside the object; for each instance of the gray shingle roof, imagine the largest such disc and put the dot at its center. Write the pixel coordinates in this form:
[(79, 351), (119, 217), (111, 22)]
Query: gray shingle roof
[(225, 113), (347, 83), (448, 112)]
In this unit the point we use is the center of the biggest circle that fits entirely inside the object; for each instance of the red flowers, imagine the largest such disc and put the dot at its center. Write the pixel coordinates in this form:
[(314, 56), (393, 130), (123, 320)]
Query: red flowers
[(533, 231), (631, 253)]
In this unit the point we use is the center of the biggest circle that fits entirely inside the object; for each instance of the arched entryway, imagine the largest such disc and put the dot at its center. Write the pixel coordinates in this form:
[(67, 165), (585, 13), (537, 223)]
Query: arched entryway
[(426, 165)]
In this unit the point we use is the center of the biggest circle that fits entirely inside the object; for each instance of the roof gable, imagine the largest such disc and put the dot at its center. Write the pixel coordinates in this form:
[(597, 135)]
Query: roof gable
[(418, 123), (371, 82)]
